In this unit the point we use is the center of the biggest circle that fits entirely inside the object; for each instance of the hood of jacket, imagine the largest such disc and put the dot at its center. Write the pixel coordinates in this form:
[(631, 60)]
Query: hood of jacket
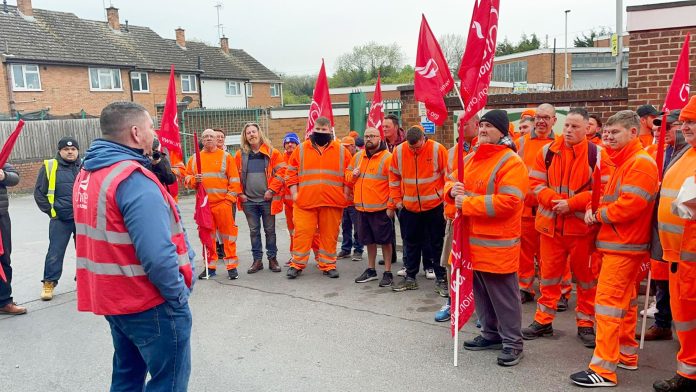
[(103, 153)]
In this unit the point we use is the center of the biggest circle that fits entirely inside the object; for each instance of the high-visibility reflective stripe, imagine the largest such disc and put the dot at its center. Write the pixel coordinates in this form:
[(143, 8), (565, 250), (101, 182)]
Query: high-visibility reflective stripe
[(546, 309), (228, 237), (395, 183), (298, 254), (605, 215), (511, 190), (322, 182), (583, 316), (561, 189), (450, 158), (111, 269), (670, 228), (102, 235), (587, 285), (547, 213), (605, 178), (103, 191), (685, 368), (623, 247), (551, 281), (300, 168), (275, 198), (215, 190), (538, 189), (399, 159), (628, 350), (647, 158), (490, 189), (471, 194), (488, 202), (325, 253), (636, 190), (685, 255), (610, 311), (321, 171), (371, 206), (527, 280), (684, 326), (374, 177), (671, 193), (493, 243), (603, 363), (436, 157), (539, 175), (214, 175), (395, 171), (421, 181), (380, 167), (291, 167), (51, 171), (422, 198), (232, 193)]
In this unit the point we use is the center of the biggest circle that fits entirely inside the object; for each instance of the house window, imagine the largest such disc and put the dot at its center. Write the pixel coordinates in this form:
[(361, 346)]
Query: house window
[(188, 84), (233, 88), (25, 77), (105, 79), (275, 89), (139, 82), (249, 89)]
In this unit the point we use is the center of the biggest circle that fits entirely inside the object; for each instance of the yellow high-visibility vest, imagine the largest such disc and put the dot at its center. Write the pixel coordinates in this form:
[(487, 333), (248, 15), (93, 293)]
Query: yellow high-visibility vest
[(51, 166)]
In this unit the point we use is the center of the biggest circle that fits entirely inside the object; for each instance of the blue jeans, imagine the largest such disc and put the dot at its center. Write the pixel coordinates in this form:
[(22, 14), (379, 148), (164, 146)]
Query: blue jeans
[(349, 232), (256, 212), (156, 341), (663, 316), (59, 232)]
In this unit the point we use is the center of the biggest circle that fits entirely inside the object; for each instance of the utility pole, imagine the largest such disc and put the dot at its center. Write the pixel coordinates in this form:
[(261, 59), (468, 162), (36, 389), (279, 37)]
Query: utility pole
[(565, 67), (619, 43), (218, 5)]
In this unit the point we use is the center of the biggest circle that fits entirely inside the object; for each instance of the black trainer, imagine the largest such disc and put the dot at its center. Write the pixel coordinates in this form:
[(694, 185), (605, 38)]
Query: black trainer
[(562, 304), (387, 280), (536, 330), (480, 343), (293, 273), (677, 383), (587, 336), (588, 378), (332, 273), (232, 274), (442, 288), (211, 273), (369, 275), (406, 284), (510, 357), (526, 296)]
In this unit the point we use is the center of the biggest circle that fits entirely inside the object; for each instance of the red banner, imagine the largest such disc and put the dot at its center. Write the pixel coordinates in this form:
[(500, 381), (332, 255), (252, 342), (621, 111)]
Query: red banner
[(678, 94), (432, 77), (4, 156), (477, 63), (321, 102), (462, 279), (168, 134), (202, 214), (375, 117)]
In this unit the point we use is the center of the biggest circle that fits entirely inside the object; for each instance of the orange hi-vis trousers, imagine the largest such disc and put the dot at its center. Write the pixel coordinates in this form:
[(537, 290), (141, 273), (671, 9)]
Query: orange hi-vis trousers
[(323, 222), (223, 221), (529, 250), (288, 219), (616, 312), (556, 254), (682, 290)]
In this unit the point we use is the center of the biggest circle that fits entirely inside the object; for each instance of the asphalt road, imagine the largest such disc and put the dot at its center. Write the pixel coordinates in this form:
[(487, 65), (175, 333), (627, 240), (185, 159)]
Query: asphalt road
[(264, 332)]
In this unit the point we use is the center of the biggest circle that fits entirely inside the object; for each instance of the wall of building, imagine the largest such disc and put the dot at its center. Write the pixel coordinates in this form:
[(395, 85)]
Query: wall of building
[(261, 96), (540, 67), (214, 94), (277, 128), (386, 95), (159, 83)]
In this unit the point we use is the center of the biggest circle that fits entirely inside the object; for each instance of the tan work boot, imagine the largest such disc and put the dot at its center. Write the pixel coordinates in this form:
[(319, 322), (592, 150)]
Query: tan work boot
[(47, 292), (13, 309)]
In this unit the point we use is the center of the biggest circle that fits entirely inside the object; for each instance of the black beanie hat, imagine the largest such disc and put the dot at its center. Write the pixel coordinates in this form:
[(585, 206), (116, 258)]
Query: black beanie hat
[(67, 141), (499, 119)]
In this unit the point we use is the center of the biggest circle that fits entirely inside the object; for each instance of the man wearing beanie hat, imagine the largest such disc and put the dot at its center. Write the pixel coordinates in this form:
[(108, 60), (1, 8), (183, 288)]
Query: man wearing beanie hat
[(290, 142), (53, 194), (492, 198)]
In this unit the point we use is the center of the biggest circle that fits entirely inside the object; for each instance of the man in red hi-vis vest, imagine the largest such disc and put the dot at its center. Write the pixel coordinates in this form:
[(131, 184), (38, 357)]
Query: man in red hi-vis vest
[(133, 259)]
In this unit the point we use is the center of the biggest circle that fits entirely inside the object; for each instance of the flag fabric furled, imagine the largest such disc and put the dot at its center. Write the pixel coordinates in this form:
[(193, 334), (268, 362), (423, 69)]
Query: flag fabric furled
[(376, 116), (321, 102), (432, 76), (202, 214), (4, 157), (462, 279)]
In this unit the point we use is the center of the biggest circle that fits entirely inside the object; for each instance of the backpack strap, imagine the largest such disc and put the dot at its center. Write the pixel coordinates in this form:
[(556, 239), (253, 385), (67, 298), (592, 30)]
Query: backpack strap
[(592, 152)]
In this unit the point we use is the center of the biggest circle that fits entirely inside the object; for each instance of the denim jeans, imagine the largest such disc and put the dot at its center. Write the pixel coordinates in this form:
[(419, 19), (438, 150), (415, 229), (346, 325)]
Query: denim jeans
[(59, 232), (256, 212), (349, 232), (663, 316), (155, 341)]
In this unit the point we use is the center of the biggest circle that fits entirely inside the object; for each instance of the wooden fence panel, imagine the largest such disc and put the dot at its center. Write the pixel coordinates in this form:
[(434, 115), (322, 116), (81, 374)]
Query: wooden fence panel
[(39, 139)]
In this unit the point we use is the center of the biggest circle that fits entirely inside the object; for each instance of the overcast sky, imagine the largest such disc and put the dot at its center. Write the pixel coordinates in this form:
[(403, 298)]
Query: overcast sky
[(291, 37)]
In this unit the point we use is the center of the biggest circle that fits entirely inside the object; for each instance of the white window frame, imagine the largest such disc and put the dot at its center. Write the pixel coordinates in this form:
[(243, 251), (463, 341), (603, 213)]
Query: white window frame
[(193, 86), (249, 89), (275, 93), (139, 76), (238, 88), (24, 77), (115, 76)]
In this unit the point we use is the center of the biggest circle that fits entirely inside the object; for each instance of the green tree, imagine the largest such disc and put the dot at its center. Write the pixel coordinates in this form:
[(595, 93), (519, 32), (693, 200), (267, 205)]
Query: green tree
[(504, 48), (587, 41), (298, 89), (526, 43), (364, 62)]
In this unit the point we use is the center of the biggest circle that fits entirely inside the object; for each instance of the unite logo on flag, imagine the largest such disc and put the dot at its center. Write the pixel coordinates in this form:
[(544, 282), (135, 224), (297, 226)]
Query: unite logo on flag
[(429, 70)]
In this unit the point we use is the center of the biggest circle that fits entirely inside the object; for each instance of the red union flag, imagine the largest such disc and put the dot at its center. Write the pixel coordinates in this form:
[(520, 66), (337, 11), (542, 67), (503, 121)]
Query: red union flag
[(321, 102), (376, 116), (477, 63), (169, 126), (432, 77), (678, 94), (462, 279)]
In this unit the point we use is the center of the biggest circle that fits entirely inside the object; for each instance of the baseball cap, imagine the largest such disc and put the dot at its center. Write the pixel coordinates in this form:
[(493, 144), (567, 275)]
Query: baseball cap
[(673, 116), (647, 110), (348, 141)]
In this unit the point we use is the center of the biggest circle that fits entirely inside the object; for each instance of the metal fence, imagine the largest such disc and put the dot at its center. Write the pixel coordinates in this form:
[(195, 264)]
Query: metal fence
[(39, 139)]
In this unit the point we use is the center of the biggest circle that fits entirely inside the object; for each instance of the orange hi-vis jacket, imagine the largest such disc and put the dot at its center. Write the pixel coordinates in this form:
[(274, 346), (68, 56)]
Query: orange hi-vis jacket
[(647, 139), (220, 176), (287, 196), (628, 202), (528, 148), (275, 174), (596, 139), (669, 225), (496, 182), (452, 166), (371, 187), (319, 174), (569, 177), (417, 178)]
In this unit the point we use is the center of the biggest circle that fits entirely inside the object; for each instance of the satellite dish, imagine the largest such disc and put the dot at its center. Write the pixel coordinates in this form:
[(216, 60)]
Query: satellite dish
[(187, 99)]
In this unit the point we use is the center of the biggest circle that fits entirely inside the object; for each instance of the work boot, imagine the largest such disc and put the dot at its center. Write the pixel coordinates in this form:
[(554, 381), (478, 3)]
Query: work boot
[(343, 254), (657, 333), (677, 383), (562, 304), (480, 343), (588, 378), (510, 357), (256, 266), (442, 288), (13, 309), (526, 296), (406, 284), (369, 275), (47, 291), (273, 264), (211, 273), (387, 280), (587, 336), (287, 263), (332, 273), (232, 274), (536, 330), (293, 273)]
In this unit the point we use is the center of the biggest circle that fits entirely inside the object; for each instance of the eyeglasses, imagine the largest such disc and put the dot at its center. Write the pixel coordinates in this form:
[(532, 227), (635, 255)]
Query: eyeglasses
[(371, 136), (543, 118)]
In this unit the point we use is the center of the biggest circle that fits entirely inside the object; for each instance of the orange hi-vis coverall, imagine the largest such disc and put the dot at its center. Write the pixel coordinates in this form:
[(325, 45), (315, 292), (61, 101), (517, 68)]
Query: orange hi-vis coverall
[(319, 174), (659, 269), (565, 239), (623, 240), (528, 148), (678, 239), (287, 204), (647, 139), (221, 182)]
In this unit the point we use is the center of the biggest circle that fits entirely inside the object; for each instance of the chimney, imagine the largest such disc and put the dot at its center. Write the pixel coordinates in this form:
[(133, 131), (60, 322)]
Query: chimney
[(24, 6), (225, 45), (180, 37), (112, 18)]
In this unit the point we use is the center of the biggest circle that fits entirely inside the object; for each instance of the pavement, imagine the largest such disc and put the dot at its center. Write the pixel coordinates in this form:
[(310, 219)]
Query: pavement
[(264, 332)]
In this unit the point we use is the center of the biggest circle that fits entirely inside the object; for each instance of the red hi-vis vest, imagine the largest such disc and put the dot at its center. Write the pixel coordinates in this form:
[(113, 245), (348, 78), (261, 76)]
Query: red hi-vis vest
[(110, 278)]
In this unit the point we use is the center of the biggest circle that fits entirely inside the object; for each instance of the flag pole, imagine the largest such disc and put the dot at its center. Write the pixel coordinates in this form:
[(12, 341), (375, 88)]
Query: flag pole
[(645, 311), (456, 319)]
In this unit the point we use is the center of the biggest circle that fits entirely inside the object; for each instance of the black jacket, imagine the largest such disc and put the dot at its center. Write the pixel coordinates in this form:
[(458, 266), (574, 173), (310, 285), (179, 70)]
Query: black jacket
[(65, 178), (11, 179), (163, 171)]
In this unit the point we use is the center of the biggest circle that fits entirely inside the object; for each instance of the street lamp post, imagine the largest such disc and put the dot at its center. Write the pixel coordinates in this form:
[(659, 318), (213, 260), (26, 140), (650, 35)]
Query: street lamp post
[(565, 67)]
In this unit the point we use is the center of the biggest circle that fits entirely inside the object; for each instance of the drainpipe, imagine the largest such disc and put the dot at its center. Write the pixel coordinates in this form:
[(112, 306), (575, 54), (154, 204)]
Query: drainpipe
[(130, 84), (10, 91)]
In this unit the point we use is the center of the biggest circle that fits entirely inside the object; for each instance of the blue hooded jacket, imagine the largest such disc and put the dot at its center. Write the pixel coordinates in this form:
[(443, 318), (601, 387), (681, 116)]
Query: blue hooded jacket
[(147, 221)]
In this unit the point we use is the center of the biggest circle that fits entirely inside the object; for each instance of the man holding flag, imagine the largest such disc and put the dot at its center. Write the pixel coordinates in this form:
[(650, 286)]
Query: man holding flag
[(8, 177)]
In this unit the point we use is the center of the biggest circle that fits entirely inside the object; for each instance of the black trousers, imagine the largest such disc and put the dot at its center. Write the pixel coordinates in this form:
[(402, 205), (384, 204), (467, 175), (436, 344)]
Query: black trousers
[(417, 228), (5, 287)]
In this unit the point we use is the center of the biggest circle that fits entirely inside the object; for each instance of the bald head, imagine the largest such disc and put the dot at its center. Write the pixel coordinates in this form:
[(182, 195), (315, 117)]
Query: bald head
[(544, 119), (209, 138), (372, 139)]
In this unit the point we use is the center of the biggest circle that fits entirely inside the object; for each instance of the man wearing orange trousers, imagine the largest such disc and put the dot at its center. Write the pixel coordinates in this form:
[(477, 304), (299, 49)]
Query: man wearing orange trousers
[(315, 177), (220, 177), (623, 240), (290, 143), (678, 238), (562, 179)]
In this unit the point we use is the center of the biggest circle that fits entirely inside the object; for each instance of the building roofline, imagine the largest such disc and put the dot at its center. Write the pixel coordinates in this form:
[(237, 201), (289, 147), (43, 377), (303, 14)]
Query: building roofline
[(647, 7), (559, 51)]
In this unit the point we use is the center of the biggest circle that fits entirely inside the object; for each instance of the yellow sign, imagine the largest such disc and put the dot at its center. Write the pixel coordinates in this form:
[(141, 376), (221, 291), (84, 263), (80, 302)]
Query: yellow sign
[(614, 45)]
